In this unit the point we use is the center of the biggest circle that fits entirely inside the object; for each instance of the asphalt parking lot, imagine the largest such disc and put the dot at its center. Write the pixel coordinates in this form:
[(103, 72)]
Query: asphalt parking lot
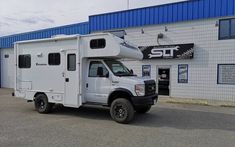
[(165, 125)]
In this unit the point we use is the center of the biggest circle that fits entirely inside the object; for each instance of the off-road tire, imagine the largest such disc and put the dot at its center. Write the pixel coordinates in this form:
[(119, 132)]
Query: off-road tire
[(122, 111), (41, 104)]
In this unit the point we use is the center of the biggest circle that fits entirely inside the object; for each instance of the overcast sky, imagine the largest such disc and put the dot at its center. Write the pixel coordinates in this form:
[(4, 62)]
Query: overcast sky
[(18, 16)]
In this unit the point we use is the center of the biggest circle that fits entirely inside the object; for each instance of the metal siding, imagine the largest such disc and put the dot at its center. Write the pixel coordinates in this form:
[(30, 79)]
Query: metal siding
[(185, 11), (195, 10), (156, 11), (180, 11), (160, 15), (168, 13), (230, 7), (201, 9), (233, 7), (175, 15), (206, 8), (212, 8), (81, 28), (218, 7), (148, 15)]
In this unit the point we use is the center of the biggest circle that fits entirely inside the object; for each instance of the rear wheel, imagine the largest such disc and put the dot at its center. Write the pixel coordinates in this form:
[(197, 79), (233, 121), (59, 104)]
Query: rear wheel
[(41, 104), (122, 110), (143, 109)]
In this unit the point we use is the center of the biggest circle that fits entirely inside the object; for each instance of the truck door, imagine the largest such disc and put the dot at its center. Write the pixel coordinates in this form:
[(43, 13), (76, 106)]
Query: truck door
[(71, 79), (98, 83)]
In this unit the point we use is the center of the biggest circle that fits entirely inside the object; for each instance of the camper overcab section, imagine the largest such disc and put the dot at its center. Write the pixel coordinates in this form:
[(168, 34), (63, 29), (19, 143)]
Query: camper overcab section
[(80, 70)]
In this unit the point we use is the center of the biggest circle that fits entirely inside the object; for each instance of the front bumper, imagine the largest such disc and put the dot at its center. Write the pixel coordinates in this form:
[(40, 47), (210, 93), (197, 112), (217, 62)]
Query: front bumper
[(144, 100)]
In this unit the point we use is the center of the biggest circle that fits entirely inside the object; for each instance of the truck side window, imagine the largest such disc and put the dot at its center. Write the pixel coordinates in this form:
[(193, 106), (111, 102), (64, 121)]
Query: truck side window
[(24, 61), (93, 69), (97, 43), (71, 62), (54, 58)]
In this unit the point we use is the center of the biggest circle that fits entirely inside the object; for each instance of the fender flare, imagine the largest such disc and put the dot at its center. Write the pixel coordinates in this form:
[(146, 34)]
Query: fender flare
[(116, 90)]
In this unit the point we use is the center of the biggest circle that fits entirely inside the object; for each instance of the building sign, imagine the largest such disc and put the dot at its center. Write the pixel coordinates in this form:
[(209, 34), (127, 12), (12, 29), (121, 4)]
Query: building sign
[(183, 73), (177, 51), (146, 70), (226, 74)]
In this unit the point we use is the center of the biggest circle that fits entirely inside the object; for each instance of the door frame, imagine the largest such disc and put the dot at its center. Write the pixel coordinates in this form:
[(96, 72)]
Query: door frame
[(65, 74), (157, 74), (95, 94)]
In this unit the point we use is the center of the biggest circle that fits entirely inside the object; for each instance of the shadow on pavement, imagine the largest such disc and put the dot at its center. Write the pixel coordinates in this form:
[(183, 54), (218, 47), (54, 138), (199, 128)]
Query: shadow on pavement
[(186, 119), (161, 117), (84, 112)]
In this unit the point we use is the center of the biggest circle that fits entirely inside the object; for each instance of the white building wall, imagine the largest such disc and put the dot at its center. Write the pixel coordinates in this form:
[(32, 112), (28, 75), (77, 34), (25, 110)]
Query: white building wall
[(7, 68), (208, 52)]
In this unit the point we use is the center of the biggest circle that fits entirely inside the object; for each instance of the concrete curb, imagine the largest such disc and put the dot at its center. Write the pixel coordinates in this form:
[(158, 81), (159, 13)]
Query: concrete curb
[(197, 102)]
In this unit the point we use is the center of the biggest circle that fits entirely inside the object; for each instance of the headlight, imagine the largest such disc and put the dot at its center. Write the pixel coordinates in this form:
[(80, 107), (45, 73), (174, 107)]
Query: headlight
[(140, 89)]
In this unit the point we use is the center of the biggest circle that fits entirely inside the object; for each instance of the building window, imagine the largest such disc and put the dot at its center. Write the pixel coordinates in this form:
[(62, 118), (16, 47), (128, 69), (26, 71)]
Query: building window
[(226, 74), (95, 69), (227, 29), (54, 59), (97, 43), (71, 62), (233, 28), (24, 61), (183, 73), (146, 70)]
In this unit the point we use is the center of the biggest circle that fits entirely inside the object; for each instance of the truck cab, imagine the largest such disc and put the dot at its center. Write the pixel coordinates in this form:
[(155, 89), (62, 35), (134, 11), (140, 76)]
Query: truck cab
[(109, 80), (82, 70)]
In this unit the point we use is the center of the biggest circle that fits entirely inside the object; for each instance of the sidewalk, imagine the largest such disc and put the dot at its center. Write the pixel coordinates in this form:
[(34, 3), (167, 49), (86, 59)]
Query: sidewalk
[(197, 101)]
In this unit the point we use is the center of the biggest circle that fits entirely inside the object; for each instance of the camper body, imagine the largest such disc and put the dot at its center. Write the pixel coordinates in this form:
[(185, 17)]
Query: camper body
[(82, 70)]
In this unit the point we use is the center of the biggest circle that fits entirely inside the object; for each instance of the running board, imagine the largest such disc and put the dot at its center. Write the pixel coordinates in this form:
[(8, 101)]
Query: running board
[(94, 104)]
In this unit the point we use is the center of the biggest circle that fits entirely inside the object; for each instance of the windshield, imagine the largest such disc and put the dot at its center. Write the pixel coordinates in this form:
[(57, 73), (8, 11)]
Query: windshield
[(118, 68)]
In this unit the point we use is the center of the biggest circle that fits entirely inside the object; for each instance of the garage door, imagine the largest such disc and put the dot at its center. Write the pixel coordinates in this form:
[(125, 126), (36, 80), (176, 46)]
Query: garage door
[(7, 68)]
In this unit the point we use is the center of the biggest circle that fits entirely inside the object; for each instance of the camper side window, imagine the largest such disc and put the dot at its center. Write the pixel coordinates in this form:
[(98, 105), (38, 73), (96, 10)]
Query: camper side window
[(54, 58), (97, 69), (71, 62), (24, 61), (97, 43)]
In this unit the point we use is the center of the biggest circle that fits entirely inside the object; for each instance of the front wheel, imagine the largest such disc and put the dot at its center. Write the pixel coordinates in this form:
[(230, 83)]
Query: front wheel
[(143, 109), (41, 104), (122, 110)]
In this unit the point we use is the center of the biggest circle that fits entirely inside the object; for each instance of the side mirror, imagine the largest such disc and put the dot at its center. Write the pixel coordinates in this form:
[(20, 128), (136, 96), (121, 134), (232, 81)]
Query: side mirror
[(100, 71), (107, 75), (132, 72)]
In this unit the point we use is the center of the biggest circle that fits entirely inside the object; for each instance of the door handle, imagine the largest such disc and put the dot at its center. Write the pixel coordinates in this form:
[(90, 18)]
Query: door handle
[(86, 85), (66, 79)]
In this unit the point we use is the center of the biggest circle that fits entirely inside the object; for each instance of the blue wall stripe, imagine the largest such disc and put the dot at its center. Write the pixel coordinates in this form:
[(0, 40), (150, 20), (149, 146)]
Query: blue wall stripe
[(80, 28), (168, 13)]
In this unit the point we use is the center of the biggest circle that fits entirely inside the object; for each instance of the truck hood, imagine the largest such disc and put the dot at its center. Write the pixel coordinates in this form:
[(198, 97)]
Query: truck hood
[(132, 79)]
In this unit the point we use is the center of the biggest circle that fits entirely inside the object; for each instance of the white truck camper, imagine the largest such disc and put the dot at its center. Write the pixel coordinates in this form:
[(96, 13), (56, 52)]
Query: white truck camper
[(82, 70)]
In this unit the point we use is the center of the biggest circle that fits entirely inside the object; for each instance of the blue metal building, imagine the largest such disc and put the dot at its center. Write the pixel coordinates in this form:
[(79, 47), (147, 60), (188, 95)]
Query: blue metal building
[(162, 14)]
